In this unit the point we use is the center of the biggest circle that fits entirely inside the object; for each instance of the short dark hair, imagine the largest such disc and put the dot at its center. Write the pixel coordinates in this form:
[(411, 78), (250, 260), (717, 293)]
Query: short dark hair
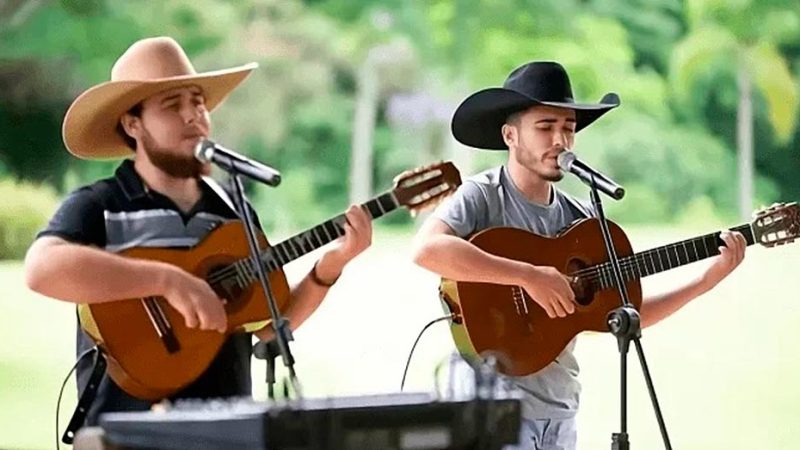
[(514, 118), (135, 111)]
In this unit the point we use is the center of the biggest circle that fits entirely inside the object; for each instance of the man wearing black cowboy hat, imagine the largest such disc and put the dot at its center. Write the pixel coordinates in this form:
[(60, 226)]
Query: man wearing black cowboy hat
[(535, 117)]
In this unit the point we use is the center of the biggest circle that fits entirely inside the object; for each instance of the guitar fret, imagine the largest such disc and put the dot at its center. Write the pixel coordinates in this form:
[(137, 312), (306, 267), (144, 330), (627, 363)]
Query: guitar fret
[(250, 271), (705, 246), (381, 208), (600, 279), (637, 268), (702, 249), (374, 208), (239, 275), (315, 235), (339, 226), (686, 257), (669, 257), (334, 233), (293, 253), (386, 203), (662, 258), (283, 256), (606, 274), (304, 244), (711, 244)]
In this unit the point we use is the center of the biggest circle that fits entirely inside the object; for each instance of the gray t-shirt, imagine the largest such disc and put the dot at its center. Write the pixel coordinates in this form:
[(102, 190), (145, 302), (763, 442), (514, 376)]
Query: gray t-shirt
[(490, 199)]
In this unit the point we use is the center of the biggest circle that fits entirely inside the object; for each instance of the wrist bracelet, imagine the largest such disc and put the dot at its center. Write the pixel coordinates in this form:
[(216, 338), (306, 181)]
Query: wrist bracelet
[(318, 281)]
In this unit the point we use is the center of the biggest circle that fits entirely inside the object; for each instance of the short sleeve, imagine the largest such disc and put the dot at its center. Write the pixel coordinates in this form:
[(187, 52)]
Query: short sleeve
[(79, 219), (463, 212)]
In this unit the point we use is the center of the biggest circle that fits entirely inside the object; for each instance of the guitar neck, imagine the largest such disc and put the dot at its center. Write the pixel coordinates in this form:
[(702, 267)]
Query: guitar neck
[(660, 259), (307, 241)]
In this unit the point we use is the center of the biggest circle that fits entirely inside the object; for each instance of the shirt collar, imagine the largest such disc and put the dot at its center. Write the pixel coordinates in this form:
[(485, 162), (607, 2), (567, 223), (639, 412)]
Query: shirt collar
[(130, 181)]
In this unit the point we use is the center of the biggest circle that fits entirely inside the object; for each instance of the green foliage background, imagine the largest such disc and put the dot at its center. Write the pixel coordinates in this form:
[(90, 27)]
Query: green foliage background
[(673, 141)]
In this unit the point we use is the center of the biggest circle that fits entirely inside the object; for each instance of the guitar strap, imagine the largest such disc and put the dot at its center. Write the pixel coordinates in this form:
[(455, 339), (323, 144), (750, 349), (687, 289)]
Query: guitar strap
[(88, 395)]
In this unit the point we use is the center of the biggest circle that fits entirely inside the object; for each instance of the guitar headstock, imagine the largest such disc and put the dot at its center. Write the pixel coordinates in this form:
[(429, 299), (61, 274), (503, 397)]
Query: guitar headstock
[(777, 225), (426, 186)]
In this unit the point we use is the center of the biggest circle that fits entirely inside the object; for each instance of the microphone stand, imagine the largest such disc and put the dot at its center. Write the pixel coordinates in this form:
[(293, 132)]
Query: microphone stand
[(283, 334), (624, 323)]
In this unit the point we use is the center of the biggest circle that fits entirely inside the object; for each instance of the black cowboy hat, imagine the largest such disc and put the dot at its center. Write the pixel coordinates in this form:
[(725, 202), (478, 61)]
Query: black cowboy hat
[(479, 118)]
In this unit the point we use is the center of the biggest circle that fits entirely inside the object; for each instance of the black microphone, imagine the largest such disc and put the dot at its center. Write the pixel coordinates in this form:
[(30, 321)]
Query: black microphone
[(208, 151), (568, 162)]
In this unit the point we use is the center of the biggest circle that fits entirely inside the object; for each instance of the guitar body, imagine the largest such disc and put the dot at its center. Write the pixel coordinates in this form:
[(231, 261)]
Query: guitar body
[(504, 320), (138, 360)]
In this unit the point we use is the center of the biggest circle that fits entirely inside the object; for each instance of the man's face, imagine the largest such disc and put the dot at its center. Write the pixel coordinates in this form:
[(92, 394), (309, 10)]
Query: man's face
[(537, 136), (171, 124)]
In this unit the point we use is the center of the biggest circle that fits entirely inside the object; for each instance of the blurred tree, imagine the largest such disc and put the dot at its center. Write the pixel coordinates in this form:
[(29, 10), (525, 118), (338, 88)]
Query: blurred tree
[(654, 26), (744, 37), (50, 51)]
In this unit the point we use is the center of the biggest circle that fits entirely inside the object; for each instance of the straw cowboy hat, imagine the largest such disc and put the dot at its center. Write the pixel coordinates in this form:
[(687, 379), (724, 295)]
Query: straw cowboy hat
[(478, 120), (148, 67)]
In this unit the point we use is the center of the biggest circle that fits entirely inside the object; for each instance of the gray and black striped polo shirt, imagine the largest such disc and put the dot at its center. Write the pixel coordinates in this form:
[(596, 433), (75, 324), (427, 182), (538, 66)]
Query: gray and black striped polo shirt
[(119, 213)]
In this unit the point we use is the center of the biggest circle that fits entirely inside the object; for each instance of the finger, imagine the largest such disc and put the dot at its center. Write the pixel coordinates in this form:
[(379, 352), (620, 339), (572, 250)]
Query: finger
[(568, 303), (222, 320), (742, 245), (724, 252), (737, 245), (558, 307), (206, 321), (358, 218), (728, 238), (349, 231), (551, 313), (189, 317)]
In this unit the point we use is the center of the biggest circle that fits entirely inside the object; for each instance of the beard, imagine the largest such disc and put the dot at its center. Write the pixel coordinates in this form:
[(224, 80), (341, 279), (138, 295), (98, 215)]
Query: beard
[(552, 177), (173, 164)]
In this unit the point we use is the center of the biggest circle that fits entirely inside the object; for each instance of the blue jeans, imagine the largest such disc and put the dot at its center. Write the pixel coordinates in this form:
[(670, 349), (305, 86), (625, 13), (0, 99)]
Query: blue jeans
[(547, 434)]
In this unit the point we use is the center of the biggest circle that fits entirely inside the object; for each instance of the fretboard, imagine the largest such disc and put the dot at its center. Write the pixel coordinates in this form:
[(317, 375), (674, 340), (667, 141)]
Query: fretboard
[(242, 272), (314, 238), (660, 259)]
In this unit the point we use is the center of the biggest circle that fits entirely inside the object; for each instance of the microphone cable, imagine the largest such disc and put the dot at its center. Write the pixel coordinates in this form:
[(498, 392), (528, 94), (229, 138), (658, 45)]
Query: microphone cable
[(413, 347)]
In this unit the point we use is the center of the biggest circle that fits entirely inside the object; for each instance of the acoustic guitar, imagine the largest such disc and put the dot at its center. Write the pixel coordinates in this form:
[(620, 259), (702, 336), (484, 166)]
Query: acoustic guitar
[(504, 320), (151, 354)]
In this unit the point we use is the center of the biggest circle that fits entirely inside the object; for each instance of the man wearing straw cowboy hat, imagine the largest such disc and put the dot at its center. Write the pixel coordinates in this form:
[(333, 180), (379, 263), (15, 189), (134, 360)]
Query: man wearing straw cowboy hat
[(155, 110), (535, 118)]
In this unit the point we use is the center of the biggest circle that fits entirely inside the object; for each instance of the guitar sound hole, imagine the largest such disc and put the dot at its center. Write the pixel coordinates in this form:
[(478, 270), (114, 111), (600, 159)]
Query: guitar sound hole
[(583, 288), (225, 284)]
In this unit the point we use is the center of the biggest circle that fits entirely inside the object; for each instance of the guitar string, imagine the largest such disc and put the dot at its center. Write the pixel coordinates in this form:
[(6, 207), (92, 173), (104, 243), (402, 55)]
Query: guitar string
[(637, 259), (230, 271)]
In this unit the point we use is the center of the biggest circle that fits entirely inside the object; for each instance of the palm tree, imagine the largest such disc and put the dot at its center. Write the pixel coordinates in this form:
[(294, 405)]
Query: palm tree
[(744, 38)]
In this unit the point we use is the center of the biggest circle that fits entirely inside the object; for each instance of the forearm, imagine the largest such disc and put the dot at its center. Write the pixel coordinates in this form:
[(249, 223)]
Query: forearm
[(658, 307), (84, 274), (307, 295), (457, 259)]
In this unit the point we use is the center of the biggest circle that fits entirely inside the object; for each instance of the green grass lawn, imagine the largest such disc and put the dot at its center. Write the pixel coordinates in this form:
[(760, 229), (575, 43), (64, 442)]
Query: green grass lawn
[(725, 367)]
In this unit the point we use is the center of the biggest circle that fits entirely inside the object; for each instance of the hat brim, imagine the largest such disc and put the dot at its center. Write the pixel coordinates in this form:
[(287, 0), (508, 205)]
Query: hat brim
[(89, 128), (478, 120)]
